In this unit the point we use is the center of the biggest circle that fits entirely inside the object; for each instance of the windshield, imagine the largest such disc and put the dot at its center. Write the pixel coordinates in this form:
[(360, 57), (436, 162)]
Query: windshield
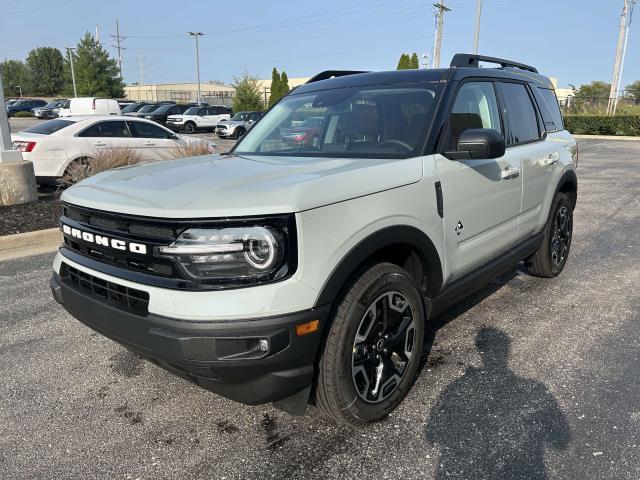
[(134, 107), (148, 108), (192, 111), (163, 109), (369, 122), (52, 104), (49, 127)]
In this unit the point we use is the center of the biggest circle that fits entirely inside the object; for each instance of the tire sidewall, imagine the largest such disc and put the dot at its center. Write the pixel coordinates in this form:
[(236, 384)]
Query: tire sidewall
[(351, 402), (560, 201)]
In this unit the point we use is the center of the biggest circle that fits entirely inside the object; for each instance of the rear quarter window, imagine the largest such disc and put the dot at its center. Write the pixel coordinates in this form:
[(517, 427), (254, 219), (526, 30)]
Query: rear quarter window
[(550, 110)]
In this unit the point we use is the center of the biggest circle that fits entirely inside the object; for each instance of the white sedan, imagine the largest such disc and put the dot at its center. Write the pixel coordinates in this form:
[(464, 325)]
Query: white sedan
[(55, 144)]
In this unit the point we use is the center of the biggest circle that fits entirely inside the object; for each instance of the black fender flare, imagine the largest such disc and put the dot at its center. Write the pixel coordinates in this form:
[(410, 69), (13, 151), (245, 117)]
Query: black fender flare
[(358, 255), (568, 177)]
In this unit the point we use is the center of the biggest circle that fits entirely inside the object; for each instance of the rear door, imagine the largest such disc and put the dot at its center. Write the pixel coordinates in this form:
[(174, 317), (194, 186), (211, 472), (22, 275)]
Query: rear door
[(527, 141), (105, 135), (481, 197), (155, 142)]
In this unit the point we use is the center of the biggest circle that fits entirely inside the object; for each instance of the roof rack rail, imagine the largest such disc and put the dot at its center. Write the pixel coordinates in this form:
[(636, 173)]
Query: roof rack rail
[(333, 73), (468, 60)]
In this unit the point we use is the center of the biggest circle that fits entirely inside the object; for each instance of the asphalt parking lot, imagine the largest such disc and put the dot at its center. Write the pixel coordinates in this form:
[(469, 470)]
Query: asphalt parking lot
[(537, 377)]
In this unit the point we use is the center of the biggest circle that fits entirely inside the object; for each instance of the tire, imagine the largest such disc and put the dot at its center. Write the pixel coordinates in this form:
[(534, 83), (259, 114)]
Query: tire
[(189, 127), (343, 390), (239, 133), (549, 260)]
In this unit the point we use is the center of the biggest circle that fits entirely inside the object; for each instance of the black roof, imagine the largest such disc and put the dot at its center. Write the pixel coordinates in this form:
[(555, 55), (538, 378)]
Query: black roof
[(455, 73)]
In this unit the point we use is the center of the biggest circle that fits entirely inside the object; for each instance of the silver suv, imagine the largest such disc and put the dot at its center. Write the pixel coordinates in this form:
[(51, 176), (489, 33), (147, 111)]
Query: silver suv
[(306, 272)]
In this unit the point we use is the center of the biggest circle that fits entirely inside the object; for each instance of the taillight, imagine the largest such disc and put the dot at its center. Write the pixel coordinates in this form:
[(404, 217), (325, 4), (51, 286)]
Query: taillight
[(25, 147)]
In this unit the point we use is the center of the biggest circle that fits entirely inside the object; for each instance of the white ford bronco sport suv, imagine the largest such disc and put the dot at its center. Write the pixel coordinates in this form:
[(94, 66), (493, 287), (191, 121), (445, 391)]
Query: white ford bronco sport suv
[(305, 273)]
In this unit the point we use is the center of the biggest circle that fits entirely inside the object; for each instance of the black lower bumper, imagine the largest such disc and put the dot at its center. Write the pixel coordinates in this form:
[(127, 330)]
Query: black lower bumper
[(249, 361)]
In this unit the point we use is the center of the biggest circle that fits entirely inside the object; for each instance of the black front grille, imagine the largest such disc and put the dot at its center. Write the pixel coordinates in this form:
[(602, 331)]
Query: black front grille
[(125, 298)]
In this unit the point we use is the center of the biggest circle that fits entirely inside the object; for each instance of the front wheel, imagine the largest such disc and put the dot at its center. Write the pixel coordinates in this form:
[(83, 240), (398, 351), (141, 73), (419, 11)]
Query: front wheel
[(373, 347), (239, 133), (551, 257), (190, 128)]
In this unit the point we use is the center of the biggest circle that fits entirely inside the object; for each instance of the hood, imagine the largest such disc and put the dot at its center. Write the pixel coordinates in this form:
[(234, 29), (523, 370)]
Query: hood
[(219, 186), (231, 122)]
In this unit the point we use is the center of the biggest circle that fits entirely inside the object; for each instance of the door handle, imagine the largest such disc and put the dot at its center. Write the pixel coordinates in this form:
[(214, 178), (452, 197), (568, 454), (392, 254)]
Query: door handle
[(149, 143), (510, 172), (553, 158), (100, 144)]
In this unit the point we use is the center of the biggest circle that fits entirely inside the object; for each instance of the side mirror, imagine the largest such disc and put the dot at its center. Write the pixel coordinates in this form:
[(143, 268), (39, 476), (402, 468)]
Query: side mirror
[(478, 143)]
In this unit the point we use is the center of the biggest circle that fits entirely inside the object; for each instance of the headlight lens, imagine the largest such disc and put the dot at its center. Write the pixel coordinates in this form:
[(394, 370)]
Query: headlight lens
[(238, 253)]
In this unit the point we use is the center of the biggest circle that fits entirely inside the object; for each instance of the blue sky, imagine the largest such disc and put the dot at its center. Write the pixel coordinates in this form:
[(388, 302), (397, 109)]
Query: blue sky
[(573, 40)]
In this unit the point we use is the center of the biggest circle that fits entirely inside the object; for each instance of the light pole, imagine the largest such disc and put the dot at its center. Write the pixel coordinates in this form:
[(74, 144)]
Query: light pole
[(196, 35), (73, 72), (476, 37)]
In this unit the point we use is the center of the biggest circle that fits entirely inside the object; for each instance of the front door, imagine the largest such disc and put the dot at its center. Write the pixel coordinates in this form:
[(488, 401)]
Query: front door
[(481, 197)]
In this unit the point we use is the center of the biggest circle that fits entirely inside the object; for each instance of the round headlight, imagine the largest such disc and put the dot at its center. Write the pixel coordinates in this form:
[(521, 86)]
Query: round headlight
[(261, 250)]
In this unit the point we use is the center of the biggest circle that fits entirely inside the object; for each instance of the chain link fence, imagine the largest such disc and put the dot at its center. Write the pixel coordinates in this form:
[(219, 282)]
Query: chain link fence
[(596, 105)]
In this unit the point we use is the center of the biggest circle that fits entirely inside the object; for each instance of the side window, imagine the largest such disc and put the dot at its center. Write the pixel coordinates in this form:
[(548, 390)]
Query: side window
[(554, 123), (147, 130), (475, 107), (175, 110), (523, 120), (106, 129), (215, 111)]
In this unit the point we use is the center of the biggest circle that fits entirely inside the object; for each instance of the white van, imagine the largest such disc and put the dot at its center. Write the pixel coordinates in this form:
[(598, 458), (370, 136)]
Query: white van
[(91, 106)]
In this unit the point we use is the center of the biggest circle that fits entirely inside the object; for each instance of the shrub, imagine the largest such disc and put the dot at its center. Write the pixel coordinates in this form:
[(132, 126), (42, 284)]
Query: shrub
[(603, 125), (102, 161), (23, 114), (191, 149)]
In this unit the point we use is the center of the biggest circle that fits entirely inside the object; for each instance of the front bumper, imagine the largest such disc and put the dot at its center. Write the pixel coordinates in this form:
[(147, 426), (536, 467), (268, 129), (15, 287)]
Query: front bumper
[(220, 356), (176, 127)]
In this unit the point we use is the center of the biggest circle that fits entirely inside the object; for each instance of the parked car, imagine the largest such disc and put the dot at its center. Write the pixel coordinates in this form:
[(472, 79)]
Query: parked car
[(134, 107), (50, 110), (63, 110), (237, 125), (162, 113), (147, 109), (11, 101), (55, 144), (304, 134), (24, 105), (204, 117), (285, 274), (91, 106)]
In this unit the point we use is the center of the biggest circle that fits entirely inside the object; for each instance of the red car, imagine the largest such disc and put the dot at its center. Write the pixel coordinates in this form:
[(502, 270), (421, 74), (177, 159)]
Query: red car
[(306, 134)]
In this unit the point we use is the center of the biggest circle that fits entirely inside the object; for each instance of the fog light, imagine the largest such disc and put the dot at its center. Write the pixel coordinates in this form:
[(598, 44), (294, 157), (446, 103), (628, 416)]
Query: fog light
[(263, 345)]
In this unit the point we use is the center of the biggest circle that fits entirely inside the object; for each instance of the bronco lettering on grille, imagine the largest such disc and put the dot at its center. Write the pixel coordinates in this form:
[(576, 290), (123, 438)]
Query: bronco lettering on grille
[(104, 241)]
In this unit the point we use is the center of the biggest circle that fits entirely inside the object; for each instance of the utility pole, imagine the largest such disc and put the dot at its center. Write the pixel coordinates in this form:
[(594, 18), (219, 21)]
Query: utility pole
[(118, 38), (196, 35), (97, 33), (440, 11), (73, 72), (623, 36), (476, 37)]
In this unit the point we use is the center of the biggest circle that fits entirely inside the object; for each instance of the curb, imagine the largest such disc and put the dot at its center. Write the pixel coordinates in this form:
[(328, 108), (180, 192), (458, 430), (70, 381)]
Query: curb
[(30, 243), (606, 137)]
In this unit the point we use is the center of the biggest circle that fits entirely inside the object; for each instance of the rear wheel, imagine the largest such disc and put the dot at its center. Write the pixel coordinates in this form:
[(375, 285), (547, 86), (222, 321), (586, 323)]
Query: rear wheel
[(189, 127), (373, 348), (552, 255), (239, 133)]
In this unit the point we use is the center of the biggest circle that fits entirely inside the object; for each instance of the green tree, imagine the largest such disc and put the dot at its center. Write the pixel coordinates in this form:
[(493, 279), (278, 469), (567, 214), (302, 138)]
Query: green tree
[(45, 67), (284, 84), (404, 62), (96, 72), (591, 98), (415, 63), (274, 92), (633, 89), (247, 95), (14, 73)]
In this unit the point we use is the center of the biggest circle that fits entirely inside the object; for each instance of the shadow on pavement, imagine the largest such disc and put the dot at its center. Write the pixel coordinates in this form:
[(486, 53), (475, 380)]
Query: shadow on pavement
[(492, 424)]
